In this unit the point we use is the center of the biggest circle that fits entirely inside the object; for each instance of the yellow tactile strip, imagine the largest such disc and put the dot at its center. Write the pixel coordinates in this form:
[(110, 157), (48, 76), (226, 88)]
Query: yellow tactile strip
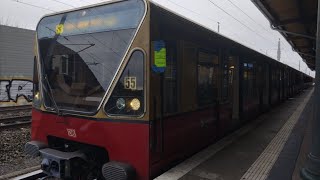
[(260, 169)]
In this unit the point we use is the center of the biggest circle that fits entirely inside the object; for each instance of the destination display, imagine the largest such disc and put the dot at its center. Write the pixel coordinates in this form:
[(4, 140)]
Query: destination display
[(92, 20)]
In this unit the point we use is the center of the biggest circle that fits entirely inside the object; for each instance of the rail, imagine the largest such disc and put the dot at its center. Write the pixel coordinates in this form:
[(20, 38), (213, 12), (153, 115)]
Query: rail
[(14, 116), (25, 174), (7, 109), (15, 121)]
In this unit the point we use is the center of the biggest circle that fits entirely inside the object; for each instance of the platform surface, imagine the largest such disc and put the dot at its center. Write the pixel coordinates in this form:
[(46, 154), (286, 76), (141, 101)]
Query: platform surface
[(271, 147)]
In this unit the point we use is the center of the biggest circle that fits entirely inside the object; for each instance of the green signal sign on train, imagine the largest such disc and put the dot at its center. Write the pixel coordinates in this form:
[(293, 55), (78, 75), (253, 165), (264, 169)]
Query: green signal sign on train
[(160, 56)]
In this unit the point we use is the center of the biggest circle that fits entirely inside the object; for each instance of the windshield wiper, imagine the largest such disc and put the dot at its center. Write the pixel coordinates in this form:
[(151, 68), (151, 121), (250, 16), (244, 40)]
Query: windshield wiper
[(50, 93), (88, 46)]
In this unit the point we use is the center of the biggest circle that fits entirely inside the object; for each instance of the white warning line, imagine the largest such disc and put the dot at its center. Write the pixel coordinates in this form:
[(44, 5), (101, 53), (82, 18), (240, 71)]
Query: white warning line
[(260, 169), (191, 163)]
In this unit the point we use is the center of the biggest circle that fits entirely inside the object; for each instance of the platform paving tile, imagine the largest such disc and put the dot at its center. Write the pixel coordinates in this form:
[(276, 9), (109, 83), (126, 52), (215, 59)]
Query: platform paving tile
[(253, 154), (261, 167), (288, 165)]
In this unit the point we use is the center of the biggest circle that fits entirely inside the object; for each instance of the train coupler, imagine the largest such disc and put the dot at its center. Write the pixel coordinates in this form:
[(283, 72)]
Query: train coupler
[(63, 164)]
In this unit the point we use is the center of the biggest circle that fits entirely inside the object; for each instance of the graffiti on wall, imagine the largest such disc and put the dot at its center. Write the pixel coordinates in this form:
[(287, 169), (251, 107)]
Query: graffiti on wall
[(12, 90)]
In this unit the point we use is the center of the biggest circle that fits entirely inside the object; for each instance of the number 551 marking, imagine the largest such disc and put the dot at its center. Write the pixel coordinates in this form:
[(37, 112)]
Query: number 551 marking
[(130, 83)]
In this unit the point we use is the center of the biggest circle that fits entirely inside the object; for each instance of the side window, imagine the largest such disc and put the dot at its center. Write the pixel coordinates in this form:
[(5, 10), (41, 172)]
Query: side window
[(208, 65), (225, 79), (231, 71), (249, 79), (128, 96)]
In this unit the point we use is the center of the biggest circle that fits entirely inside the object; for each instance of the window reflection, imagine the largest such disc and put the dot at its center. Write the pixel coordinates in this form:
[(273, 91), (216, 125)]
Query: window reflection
[(81, 51), (208, 69)]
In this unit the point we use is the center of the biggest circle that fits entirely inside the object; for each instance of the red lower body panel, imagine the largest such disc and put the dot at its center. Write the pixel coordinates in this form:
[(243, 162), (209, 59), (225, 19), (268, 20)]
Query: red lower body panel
[(181, 136), (124, 141)]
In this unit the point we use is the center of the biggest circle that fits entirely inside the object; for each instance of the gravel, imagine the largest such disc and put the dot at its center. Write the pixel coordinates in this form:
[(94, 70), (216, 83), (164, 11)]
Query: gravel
[(12, 157)]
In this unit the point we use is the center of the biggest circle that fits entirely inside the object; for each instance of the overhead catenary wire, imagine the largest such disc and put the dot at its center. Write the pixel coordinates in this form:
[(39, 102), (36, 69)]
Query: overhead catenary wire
[(213, 20), (63, 3), (231, 17), (243, 24), (267, 30), (192, 11), (32, 5)]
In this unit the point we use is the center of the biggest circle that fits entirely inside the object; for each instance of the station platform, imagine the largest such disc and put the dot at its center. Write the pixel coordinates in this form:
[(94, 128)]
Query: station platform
[(273, 147)]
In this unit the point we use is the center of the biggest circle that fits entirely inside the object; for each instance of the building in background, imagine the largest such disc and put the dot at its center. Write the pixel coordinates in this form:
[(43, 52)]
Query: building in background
[(16, 65)]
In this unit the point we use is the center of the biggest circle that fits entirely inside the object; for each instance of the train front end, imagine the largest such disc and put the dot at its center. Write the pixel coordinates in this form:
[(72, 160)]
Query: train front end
[(90, 118)]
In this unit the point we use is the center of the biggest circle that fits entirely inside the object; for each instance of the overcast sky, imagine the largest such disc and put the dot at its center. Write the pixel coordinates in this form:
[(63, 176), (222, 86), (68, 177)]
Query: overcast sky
[(253, 31)]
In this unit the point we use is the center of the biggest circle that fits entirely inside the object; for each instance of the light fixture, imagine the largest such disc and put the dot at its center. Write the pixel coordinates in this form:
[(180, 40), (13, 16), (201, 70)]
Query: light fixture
[(121, 103), (36, 100), (135, 104)]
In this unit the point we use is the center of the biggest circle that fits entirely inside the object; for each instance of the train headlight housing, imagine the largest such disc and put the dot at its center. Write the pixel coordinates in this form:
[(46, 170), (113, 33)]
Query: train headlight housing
[(128, 96), (135, 104), (121, 103), (37, 100)]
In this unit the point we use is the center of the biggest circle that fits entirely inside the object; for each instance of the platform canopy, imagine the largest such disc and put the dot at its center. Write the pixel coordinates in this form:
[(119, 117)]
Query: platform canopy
[(296, 20)]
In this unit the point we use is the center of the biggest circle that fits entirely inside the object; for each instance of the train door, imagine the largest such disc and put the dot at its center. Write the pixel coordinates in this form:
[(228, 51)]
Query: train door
[(286, 83), (165, 99), (191, 125), (229, 100), (260, 84), (234, 83), (281, 84), (266, 86), (186, 120), (274, 84), (249, 89)]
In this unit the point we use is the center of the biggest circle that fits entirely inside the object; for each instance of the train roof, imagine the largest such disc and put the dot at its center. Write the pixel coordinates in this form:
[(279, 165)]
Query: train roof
[(209, 33)]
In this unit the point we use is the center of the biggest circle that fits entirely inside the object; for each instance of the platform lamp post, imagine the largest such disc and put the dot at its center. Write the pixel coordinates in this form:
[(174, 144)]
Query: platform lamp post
[(311, 170)]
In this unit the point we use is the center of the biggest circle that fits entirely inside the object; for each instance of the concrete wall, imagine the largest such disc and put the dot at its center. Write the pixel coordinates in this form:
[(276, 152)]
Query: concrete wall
[(16, 65), (16, 52)]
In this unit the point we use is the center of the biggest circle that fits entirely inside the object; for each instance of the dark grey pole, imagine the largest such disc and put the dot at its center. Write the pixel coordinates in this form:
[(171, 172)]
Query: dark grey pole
[(311, 171)]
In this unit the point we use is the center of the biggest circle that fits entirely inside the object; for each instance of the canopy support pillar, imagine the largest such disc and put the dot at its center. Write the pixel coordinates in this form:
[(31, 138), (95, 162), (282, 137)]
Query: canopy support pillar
[(311, 170)]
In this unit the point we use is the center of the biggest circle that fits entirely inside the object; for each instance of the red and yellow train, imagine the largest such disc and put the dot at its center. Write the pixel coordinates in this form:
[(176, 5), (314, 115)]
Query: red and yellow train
[(127, 89)]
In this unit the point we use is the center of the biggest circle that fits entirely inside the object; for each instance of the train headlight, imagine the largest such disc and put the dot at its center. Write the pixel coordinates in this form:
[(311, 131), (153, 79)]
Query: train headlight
[(37, 100), (135, 104), (121, 103)]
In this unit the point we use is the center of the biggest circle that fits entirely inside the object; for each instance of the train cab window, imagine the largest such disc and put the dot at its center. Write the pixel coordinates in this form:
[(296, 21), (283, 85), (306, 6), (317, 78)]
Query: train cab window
[(208, 69), (127, 98)]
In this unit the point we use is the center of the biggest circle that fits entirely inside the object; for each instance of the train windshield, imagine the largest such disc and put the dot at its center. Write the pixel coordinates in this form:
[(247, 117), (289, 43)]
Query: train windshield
[(80, 52)]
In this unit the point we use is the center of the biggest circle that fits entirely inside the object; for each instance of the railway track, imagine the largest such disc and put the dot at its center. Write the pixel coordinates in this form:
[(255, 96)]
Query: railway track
[(8, 109), (15, 121), (31, 173), (13, 116), (31, 176)]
